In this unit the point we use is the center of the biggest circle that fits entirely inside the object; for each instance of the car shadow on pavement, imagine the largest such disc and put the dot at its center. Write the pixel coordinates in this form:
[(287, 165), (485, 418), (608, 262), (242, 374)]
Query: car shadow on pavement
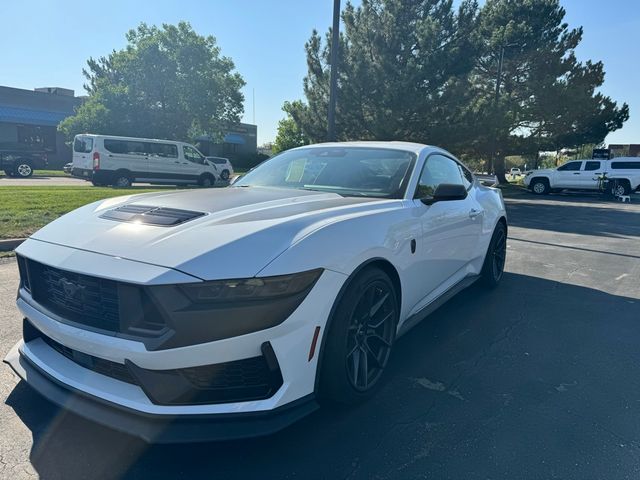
[(534, 376), (589, 219)]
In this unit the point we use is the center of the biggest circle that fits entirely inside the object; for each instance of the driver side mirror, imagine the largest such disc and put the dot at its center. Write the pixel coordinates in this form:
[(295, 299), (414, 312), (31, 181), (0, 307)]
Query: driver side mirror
[(446, 192)]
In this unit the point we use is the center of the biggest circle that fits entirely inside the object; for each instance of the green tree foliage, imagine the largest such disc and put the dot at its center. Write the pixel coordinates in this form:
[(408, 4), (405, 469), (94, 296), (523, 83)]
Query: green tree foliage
[(401, 64), (420, 70), (547, 98), (289, 133), (168, 82)]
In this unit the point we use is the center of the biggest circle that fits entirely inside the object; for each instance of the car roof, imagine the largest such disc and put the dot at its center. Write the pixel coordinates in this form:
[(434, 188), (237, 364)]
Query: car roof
[(405, 146), (142, 139)]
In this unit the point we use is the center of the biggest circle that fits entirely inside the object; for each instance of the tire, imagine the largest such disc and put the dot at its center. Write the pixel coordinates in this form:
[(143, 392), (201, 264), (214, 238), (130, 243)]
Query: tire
[(23, 169), (359, 341), (540, 186), (122, 179), (206, 181), (620, 187), (494, 260), (98, 184), (224, 175)]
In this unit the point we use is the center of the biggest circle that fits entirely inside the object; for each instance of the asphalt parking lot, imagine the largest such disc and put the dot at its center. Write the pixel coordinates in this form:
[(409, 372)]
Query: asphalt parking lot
[(539, 378)]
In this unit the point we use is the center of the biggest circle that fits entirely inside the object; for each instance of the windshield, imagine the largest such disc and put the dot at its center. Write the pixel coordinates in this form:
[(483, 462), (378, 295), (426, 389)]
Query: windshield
[(349, 171)]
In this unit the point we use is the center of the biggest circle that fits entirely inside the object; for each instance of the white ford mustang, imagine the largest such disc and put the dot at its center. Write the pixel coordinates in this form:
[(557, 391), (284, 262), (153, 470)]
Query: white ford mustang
[(210, 314)]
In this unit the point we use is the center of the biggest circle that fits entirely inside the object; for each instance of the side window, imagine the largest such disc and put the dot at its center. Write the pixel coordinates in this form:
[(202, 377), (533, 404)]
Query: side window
[(164, 150), (570, 167), (467, 176), (633, 165), (192, 155), (124, 147), (591, 166), (437, 170)]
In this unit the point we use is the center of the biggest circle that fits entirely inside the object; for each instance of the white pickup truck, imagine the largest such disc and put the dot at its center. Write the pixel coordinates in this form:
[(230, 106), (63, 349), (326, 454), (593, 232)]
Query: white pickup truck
[(583, 175)]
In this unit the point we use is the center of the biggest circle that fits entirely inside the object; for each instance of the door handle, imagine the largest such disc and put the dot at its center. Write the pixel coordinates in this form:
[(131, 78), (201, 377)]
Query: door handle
[(176, 162), (473, 213), (576, 173), (185, 163)]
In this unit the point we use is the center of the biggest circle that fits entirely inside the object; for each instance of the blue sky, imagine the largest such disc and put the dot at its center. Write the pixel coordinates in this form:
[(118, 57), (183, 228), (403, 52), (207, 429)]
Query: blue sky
[(47, 42)]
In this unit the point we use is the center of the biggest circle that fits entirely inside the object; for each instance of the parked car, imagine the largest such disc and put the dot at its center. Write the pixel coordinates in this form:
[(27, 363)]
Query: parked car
[(224, 167), (68, 168), (20, 162), (231, 313), (583, 175), (515, 172), (120, 161)]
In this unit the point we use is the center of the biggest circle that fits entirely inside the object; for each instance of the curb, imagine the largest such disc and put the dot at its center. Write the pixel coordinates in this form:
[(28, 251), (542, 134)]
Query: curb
[(10, 244)]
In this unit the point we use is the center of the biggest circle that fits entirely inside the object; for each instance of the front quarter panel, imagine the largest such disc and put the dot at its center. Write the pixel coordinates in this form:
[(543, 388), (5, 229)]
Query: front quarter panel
[(350, 241)]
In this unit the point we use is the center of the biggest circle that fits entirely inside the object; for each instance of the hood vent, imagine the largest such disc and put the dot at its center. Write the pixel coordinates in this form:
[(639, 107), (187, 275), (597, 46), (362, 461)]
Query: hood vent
[(149, 215)]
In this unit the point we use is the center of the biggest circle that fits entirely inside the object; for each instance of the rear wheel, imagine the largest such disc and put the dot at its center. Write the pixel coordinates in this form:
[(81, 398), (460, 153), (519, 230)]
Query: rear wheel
[(122, 179), (207, 181), (540, 186), (224, 175), (493, 267), (620, 187), (360, 339), (23, 169)]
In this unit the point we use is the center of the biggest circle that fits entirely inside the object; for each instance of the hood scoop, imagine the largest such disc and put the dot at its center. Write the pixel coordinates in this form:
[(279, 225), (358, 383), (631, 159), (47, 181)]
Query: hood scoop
[(150, 215)]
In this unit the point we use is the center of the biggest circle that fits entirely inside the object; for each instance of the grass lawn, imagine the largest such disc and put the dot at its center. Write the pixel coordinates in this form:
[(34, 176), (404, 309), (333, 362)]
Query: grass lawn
[(23, 210)]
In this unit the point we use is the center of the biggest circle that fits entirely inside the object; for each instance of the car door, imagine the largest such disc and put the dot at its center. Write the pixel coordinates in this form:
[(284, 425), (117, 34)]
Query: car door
[(164, 161), (193, 163), (588, 178), (566, 175), (450, 229)]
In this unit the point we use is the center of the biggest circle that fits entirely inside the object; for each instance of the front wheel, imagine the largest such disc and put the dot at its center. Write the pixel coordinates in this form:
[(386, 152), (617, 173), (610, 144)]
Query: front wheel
[(493, 266), (540, 186), (360, 339)]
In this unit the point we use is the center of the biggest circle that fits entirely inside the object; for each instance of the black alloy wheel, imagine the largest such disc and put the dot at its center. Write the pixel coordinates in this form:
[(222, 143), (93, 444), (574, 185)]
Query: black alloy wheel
[(493, 267), (370, 335), (359, 339)]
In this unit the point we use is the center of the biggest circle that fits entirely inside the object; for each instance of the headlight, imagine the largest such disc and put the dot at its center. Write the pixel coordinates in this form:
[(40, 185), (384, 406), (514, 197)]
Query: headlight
[(223, 291), (207, 311)]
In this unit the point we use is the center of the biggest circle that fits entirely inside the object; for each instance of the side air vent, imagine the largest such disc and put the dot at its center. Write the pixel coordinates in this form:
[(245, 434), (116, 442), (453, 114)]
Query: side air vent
[(148, 215)]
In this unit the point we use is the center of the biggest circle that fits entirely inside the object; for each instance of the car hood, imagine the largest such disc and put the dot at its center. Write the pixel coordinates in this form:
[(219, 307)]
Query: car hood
[(239, 230)]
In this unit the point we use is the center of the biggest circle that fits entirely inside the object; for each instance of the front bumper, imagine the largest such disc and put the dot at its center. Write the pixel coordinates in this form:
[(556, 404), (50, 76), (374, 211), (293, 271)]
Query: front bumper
[(158, 428)]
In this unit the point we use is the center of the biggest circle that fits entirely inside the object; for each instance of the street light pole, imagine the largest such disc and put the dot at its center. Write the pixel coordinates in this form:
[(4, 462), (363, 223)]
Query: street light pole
[(335, 45)]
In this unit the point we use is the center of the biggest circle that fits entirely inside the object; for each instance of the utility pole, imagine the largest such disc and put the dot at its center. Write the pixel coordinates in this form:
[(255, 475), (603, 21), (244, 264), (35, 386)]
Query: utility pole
[(335, 44), (494, 152)]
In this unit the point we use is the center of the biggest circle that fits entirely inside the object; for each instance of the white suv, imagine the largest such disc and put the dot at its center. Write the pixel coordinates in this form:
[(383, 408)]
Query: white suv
[(583, 175)]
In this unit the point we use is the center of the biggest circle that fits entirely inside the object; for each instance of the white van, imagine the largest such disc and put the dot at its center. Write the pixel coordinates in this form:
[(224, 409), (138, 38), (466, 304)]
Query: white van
[(120, 161)]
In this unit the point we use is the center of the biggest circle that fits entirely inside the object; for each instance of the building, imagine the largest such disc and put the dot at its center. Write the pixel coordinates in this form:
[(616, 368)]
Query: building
[(241, 141), (29, 120), (632, 150)]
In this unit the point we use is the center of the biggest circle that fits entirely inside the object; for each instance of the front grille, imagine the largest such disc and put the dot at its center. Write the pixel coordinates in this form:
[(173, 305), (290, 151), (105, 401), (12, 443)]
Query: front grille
[(236, 381), (241, 373), (83, 299), (98, 365)]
